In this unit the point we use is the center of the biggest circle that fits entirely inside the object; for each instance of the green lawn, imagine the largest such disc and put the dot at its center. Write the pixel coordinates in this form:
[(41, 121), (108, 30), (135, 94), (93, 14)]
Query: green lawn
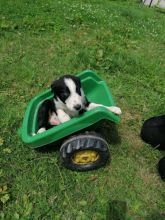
[(125, 43)]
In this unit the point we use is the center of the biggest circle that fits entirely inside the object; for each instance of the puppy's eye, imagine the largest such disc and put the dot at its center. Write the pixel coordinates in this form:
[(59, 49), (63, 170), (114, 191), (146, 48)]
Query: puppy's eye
[(65, 94)]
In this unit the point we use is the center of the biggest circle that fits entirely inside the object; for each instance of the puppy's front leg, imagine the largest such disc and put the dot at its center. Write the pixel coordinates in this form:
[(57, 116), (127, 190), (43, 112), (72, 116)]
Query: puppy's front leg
[(113, 109), (62, 116), (92, 105)]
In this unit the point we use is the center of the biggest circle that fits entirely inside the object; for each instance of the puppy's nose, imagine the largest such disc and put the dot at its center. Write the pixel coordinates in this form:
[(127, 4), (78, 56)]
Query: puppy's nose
[(77, 107)]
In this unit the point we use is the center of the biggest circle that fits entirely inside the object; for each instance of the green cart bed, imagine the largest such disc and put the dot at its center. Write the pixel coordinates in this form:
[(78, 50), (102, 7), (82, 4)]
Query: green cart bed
[(96, 91)]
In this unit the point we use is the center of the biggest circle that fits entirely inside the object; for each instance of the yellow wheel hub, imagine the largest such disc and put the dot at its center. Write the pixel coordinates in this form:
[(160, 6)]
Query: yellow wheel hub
[(85, 157)]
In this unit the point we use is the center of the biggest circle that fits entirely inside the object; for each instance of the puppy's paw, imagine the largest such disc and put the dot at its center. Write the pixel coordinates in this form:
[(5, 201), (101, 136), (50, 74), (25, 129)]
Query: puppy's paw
[(115, 110), (65, 118), (62, 116), (33, 134), (41, 130)]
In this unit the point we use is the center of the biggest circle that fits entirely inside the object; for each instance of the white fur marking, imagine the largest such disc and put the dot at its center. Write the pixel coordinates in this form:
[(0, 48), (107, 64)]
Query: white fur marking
[(62, 116), (113, 109), (41, 130), (74, 98), (33, 134)]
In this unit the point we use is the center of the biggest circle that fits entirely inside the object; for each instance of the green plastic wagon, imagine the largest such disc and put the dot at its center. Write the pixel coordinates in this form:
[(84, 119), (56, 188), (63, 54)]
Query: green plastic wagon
[(81, 150)]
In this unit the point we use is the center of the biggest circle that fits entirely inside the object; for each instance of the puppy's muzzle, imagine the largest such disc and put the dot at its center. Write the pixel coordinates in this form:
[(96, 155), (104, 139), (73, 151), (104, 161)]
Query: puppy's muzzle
[(77, 107)]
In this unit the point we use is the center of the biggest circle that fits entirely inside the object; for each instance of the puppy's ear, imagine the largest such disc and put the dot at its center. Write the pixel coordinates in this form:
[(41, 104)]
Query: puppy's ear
[(77, 81), (56, 84), (53, 85)]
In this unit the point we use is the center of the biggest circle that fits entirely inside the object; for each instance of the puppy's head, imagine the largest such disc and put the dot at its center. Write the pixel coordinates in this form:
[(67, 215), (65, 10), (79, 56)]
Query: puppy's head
[(67, 89)]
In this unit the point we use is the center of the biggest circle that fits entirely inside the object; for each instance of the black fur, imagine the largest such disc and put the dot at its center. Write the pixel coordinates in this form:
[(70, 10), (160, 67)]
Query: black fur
[(161, 168), (59, 89), (46, 108), (153, 131)]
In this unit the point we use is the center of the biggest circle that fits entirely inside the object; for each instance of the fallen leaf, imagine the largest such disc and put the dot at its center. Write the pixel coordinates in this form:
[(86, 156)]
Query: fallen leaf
[(83, 202), (16, 215), (93, 178), (5, 198), (7, 150)]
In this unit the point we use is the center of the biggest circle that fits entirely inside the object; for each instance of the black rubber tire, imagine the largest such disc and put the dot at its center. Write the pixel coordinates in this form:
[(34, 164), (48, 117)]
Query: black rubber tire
[(87, 141)]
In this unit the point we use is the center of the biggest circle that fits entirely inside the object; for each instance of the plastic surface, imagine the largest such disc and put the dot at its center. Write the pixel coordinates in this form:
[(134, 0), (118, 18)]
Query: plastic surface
[(96, 91)]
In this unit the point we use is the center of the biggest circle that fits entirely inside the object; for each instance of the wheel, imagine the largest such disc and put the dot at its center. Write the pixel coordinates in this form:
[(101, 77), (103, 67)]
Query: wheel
[(84, 152)]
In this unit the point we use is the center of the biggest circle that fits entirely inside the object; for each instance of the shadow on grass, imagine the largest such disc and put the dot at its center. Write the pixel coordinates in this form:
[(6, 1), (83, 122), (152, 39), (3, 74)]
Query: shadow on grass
[(156, 215), (53, 147), (109, 131), (105, 128), (161, 11), (117, 210)]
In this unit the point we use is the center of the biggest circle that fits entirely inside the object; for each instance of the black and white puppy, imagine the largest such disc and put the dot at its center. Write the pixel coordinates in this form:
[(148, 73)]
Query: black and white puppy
[(69, 101)]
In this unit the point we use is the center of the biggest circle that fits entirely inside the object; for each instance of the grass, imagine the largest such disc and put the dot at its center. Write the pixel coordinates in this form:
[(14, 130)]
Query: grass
[(124, 42)]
